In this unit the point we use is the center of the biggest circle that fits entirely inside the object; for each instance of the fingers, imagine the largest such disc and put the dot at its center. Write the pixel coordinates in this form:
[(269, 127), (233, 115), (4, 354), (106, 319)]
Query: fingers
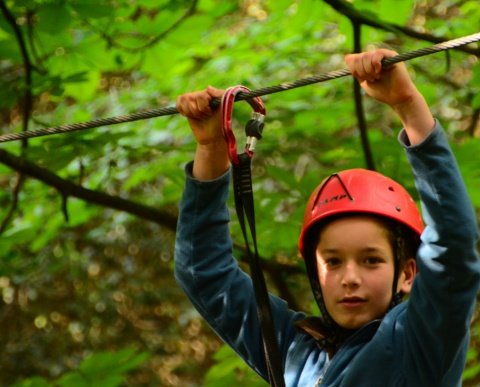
[(196, 105), (214, 92), (367, 66)]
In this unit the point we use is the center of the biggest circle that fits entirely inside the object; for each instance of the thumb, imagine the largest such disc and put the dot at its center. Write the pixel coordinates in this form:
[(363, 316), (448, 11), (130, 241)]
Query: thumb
[(214, 92)]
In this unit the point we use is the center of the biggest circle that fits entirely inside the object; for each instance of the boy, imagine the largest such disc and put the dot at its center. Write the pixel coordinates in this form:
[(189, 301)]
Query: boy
[(360, 258)]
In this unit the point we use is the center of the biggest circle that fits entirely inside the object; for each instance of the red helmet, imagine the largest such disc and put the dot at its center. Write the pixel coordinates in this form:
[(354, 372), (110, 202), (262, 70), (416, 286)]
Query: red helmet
[(359, 191)]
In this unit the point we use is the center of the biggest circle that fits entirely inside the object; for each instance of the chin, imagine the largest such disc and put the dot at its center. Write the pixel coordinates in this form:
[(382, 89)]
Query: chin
[(353, 324)]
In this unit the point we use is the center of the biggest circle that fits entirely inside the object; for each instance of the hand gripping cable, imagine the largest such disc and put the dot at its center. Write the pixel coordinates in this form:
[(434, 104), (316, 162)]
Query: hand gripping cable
[(244, 204), (169, 110)]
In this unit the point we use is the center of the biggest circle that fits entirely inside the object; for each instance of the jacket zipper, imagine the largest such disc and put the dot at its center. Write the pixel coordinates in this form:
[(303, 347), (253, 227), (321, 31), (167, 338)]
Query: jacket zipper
[(320, 379), (322, 376)]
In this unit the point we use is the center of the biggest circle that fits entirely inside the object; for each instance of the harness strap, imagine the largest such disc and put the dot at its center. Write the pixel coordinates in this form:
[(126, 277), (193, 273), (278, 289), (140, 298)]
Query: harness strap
[(244, 205)]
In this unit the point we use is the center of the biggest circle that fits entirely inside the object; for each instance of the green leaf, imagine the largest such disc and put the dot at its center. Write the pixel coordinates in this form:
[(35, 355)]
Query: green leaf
[(92, 9), (10, 50), (394, 11), (36, 381), (103, 369), (99, 365), (5, 28), (83, 90), (48, 231), (81, 76), (230, 370), (472, 371), (53, 18), (72, 379), (476, 101), (18, 234)]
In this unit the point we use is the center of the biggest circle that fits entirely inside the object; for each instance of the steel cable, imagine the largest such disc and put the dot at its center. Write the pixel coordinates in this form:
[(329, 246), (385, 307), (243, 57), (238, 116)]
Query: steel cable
[(165, 111)]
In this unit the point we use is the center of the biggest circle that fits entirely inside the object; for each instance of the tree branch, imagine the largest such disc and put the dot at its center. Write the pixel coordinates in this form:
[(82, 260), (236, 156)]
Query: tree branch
[(348, 10), (163, 218), (67, 188), (473, 123), (114, 43), (357, 93), (27, 64), (27, 104), (14, 205)]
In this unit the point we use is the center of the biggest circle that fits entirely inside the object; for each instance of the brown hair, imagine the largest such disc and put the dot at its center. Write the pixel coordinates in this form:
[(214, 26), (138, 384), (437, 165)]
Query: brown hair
[(404, 242)]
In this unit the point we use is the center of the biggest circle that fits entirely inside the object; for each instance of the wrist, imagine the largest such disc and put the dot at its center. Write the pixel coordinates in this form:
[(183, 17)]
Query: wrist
[(211, 160), (416, 117), (409, 106)]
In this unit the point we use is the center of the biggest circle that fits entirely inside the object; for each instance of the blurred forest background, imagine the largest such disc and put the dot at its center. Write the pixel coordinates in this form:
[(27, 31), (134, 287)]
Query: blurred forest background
[(87, 219)]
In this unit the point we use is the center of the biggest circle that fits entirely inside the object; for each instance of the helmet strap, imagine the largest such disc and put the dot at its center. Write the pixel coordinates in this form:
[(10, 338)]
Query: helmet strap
[(399, 253), (335, 334), (312, 272)]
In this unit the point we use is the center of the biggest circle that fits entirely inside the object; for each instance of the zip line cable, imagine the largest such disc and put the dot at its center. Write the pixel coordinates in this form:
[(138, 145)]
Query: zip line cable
[(166, 111)]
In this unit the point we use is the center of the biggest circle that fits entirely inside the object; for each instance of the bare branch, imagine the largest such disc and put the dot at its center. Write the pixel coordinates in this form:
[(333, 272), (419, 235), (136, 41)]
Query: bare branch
[(474, 122), (65, 207), (359, 110), (348, 10), (162, 218), (114, 43), (27, 64), (27, 105), (14, 204), (67, 188)]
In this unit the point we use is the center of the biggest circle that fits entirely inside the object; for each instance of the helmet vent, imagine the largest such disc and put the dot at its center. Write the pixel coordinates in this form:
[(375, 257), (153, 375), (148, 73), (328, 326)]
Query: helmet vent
[(390, 188), (398, 208), (317, 201)]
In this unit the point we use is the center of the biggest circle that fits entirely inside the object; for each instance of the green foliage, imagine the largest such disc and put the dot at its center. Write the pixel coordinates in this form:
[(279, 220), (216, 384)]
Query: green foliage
[(103, 280), (391, 11), (230, 370), (103, 369), (472, 372)]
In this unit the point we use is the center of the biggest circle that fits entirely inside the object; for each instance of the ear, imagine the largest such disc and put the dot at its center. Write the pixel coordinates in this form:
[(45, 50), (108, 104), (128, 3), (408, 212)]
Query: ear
[(407, 276)]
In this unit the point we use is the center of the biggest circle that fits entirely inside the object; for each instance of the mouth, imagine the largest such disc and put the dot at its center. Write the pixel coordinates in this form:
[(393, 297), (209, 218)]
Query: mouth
[(352, 302)]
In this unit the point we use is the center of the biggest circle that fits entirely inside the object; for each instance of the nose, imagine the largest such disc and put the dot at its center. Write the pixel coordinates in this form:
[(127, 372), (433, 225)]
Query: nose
[(351, 277)]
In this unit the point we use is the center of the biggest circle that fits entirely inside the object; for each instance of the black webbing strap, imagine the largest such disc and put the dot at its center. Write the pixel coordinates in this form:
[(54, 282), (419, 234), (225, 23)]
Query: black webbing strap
[(244, 204)]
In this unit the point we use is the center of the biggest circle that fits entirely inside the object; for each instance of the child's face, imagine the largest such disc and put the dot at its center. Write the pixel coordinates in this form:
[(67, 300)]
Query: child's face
[(356, 267)]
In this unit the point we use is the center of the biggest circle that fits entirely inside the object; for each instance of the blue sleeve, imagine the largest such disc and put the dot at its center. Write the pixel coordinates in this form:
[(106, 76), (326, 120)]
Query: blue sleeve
[(443, 295), (211, 278)]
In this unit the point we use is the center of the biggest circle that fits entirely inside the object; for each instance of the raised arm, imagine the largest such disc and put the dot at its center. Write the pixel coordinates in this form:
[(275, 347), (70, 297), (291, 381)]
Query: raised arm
[(211, 156), (435, 327), (204, 266), (394, 87)]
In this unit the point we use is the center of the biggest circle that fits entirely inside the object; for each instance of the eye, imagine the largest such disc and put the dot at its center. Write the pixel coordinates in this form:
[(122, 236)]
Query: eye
[(332, 262), (372, 261)]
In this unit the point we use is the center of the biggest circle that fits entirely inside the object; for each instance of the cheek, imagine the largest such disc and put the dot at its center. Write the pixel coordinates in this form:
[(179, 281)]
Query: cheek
[(380, 285), (328, 281), (323, 276)]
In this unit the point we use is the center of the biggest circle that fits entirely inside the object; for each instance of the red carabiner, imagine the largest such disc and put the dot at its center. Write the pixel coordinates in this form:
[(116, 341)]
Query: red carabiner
[(259, 113)]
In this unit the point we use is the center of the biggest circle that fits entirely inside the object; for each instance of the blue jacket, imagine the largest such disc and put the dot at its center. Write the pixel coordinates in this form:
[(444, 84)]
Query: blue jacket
[(421, 342)]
